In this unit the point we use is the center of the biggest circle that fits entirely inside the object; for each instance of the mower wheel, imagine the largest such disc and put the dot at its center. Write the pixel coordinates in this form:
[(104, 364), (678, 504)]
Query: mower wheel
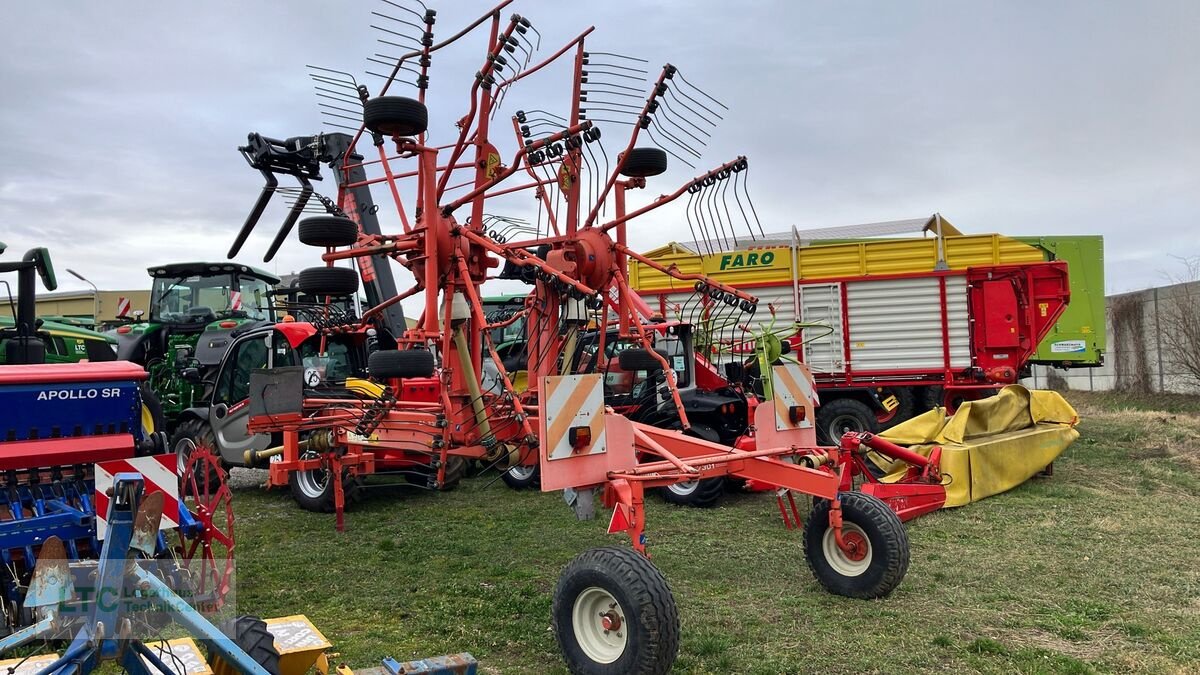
[(389, 363), (324, 231), (192, 435), (841, 415), (644, 162), (396, 116), (697, 493), (641, 359), (251, 635), (456, 469), (613, 612), (322, 281), (313, 490), (880, 557), (522, 477)]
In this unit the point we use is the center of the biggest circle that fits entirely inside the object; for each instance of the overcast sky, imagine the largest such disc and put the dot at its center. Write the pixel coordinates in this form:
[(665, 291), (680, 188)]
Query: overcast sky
[(120, 120)]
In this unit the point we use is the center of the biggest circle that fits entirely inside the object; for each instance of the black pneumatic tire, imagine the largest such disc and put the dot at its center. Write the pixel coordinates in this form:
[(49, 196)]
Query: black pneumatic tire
[(884, 533), (396, 116), (322, 281), (641, 359), (906, 403), (201, 435), (325, 231), (650, 620), (251, 634), (844, 414), (701, 494), (644, 162), (389, 363), (522, 477)]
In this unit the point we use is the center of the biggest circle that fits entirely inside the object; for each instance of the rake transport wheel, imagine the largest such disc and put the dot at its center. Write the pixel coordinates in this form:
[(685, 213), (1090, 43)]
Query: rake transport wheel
[(522, 477), (879, 558), (644, 162), (697, 493), (613, 612), (402, 363), (322, 281), (395, 116), (325, 231), (251, 635), (313, 490), (207, 555)]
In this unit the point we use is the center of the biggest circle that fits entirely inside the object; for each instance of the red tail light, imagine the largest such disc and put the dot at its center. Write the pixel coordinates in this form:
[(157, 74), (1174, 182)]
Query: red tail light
[(580, 437), (124, 329)]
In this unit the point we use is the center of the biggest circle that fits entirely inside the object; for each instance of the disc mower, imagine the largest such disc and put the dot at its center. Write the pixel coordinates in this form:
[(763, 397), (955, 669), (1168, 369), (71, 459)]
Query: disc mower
[(613, 610)]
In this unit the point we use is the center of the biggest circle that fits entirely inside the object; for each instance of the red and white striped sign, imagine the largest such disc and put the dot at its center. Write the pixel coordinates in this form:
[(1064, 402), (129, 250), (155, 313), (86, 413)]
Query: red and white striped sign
[(123, 307), (158, 471), (235, 300), (573, 401)]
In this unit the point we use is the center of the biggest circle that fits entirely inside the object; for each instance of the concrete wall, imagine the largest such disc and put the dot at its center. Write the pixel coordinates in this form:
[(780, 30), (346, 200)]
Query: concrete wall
[(1144, 329)]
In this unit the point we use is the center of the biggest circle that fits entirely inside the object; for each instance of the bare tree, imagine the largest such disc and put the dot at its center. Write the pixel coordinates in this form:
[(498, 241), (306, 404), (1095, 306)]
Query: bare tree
[(1180, 322)]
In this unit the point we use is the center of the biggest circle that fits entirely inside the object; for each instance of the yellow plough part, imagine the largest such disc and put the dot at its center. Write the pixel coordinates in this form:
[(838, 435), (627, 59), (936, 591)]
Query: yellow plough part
[(991, 445)]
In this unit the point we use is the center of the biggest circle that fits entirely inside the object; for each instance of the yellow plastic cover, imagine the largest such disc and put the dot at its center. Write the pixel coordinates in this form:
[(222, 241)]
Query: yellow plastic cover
[(991, 445)]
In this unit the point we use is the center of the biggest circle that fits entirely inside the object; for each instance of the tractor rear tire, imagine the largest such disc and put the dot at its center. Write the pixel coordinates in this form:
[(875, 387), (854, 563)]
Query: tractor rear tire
[(326, 231), (613, 612), (522, 477), (704, 493), (841, 415), (322, 281), (879, 566), (388, 363), (200, 436), (644, 162), (251, 635), (396, 116)]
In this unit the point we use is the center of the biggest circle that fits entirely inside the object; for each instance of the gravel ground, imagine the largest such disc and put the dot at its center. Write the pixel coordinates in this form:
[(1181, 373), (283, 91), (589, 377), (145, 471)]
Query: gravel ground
[(247, 478)]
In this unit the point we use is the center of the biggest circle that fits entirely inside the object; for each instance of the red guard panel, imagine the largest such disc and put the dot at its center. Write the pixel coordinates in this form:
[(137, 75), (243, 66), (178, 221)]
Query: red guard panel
[(1000, 313)]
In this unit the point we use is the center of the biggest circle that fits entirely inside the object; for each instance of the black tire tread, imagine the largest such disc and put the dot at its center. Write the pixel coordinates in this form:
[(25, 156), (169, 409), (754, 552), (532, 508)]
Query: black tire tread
[(644, 162), (200, 432), (706, 494), (395, 116), (251, 634), (388, 363), (322, 281), (839, 406), (532, 483), (651, 593), (869, 513), (325, 231)]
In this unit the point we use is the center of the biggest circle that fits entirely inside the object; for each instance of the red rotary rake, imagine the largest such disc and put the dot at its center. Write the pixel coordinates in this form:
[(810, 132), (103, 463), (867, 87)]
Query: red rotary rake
[(612, 610)]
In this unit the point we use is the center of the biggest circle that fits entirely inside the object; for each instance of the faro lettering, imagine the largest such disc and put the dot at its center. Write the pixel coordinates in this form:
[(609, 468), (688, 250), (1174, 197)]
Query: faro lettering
[(754, 259), (80, 394)]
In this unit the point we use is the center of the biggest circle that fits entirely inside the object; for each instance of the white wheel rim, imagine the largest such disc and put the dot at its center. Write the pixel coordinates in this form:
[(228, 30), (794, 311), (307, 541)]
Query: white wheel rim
[(684, 489), (842, 563), (312, 483), (522, 472), (593, 609), (183, 450)]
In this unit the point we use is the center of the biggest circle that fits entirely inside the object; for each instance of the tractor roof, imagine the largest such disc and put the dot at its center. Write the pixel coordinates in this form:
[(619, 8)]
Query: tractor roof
[(191, 269)]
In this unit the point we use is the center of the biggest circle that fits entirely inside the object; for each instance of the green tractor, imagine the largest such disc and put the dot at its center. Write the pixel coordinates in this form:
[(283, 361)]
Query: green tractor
[(196, 311)]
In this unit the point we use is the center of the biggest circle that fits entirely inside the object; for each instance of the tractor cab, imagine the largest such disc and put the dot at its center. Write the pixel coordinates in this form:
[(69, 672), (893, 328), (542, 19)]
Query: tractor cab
[(189, 295)]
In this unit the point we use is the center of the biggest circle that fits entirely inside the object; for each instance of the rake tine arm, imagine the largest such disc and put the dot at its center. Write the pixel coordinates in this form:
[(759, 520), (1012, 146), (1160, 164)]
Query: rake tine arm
[(674, 272), (691, 186), (515, 165)]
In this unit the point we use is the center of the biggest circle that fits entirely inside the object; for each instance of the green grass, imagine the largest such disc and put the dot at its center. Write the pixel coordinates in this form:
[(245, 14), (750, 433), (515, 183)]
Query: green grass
[(1096, 569)]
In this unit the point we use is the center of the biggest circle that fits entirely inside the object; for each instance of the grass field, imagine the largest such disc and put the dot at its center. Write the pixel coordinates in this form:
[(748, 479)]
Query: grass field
[(1094, 569)]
